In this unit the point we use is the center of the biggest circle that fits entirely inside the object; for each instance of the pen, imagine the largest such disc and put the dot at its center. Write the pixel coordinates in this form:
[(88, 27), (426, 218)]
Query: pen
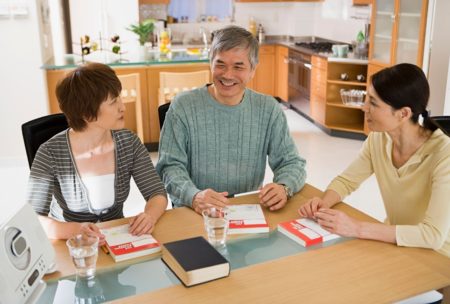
[(242, 194), (105, 250)]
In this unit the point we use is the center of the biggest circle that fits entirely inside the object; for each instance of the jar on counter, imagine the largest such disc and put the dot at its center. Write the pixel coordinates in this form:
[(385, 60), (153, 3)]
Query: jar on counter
[(261, 34)]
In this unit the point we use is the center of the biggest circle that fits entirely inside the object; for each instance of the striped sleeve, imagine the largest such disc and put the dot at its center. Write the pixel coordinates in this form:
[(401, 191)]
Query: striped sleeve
[(144, 173), (41, 182)]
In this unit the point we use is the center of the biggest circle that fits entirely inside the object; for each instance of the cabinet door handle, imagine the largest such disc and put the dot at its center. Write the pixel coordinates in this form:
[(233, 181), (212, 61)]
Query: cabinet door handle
[(286, 60)]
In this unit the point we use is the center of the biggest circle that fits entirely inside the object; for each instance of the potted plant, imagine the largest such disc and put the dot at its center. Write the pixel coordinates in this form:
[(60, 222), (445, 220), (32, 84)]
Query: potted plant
[(143, 30)]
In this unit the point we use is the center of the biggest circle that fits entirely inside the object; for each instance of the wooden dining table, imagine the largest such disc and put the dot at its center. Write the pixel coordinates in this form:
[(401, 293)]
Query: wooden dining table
[(352, 271)]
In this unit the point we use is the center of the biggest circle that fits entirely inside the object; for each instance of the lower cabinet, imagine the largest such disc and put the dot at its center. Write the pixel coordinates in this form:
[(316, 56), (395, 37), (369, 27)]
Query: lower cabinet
[(264, 79), (326, 103)]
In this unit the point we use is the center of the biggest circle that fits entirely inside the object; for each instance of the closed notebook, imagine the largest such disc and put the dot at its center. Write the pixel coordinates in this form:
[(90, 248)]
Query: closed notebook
[(194, 261), (246, 218), (306, 232), (123, 246)]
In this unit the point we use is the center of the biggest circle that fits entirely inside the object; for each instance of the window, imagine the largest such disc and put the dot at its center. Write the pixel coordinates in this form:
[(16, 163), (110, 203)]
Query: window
[(201, 10)]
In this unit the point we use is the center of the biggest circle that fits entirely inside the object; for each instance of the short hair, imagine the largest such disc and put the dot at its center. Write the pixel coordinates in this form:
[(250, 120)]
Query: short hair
[(82, 91), (405, 85), (231, 37)]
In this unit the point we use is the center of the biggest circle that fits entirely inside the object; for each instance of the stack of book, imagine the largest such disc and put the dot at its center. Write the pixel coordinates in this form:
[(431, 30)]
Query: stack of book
[(123, 246), (305, 231), (246, 218)]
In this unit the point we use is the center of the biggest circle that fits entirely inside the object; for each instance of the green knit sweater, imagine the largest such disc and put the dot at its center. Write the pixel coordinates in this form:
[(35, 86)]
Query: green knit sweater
[(205, 144)]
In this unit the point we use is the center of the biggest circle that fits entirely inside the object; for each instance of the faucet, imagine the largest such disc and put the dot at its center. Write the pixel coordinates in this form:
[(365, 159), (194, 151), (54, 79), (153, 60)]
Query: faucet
[(203, 31)]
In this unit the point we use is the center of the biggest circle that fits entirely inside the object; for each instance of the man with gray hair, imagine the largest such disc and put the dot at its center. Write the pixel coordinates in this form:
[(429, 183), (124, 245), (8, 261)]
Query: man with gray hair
[(216, 139)]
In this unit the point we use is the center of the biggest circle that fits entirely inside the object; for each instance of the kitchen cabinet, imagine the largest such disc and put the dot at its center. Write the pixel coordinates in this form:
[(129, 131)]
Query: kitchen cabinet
[(362, 2), (326, 104), (281, 72), (264, 79), (149, 78), (154, 2), (398, 31), (318, 89), (279, 0)]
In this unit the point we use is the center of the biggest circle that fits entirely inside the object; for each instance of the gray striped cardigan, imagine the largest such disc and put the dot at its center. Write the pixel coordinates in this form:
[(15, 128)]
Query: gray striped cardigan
[(54, 175)]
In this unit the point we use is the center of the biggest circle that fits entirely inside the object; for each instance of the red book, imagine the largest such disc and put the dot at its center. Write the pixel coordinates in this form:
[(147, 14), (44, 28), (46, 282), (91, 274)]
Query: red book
[(306, 232), (123, 246), (247, 218)]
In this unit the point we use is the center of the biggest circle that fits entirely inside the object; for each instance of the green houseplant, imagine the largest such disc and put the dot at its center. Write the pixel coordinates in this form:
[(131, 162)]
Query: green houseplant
[(143, 30)]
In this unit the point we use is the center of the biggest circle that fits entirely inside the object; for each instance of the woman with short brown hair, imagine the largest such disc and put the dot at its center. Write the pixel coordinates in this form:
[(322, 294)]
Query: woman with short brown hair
[(87, 168)]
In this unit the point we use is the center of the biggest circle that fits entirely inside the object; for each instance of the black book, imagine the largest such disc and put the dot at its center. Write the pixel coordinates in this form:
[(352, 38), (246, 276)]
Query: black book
[(194, 261)]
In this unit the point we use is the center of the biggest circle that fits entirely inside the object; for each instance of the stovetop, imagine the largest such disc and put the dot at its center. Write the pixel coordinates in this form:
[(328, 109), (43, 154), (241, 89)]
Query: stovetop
[(324, 47)]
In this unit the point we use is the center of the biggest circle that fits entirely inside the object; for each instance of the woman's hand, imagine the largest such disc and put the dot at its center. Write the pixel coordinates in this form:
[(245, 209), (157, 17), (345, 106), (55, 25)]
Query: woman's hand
[(90, 229), (309, 208), (141, 224), (338, 222)]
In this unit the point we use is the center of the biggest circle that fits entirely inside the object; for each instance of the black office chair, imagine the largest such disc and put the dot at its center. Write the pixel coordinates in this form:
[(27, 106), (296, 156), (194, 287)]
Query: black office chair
[(162, 110), (443, 122), (39, 130)]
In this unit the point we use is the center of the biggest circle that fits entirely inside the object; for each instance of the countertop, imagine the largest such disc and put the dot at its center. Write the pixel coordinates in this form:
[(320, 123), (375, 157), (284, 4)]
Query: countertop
[(181, 55), (151, 57)]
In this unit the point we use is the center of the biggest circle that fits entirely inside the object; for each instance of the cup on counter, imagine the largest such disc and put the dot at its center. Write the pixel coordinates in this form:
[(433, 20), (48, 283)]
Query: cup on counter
[(84, 252), (216, 226), (340, 50)]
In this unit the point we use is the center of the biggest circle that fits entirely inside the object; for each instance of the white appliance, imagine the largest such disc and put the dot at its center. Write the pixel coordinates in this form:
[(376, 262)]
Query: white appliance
[(25, 255)]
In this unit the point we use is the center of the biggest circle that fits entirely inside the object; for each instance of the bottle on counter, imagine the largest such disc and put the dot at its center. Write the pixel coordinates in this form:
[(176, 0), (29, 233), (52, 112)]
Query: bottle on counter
[(261, 34), (252, 26)]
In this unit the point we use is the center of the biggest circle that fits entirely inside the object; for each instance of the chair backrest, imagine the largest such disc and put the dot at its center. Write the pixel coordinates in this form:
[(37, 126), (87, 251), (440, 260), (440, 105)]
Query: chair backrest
[(131, 97), (162, 110), (443, 122), (39, 130), (171, 84)]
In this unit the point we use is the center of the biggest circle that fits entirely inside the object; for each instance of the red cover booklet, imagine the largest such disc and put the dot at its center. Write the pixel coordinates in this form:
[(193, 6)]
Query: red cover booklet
[(306, 232), (122, 245), (246, 218)]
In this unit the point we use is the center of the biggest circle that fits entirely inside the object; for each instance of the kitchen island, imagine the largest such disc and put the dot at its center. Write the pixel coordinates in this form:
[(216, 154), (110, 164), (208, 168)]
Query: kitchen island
[(147, 65)]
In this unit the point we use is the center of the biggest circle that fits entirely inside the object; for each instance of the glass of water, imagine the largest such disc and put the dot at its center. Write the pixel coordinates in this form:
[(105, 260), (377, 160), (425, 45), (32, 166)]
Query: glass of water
[(84, 252), (216, 226)]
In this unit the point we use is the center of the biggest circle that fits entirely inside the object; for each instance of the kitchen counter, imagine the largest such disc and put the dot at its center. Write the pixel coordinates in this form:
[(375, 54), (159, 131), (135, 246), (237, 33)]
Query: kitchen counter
[(178, 56), (289, 42)]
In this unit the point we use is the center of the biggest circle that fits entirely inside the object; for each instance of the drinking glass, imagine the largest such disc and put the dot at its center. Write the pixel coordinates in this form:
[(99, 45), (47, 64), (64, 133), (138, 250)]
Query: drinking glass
[(84, 252), (216, 226)]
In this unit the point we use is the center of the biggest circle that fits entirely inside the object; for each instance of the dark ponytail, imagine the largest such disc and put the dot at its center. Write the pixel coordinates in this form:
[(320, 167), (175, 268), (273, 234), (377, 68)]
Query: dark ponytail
[(405, 85)]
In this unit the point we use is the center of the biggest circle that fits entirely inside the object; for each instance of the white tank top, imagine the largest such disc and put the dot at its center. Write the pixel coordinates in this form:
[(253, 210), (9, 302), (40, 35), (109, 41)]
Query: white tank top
[(100, 190)]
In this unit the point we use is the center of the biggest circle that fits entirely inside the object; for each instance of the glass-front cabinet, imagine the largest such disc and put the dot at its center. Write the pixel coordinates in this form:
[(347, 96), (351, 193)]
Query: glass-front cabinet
[(398, 30)]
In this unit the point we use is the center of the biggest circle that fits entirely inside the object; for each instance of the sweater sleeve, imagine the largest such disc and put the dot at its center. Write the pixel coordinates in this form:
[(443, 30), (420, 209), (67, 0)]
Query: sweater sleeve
[(173, 158), (357, 172), (41, 182), (287, 166), (143, 172), (433, 230)]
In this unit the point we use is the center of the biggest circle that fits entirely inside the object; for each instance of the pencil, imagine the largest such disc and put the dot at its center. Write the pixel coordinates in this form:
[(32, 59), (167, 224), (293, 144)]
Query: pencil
[(105, 249)]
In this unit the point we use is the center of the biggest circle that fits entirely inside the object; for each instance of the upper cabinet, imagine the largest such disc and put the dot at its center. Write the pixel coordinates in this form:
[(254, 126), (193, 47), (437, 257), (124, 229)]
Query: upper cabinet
[(280, 0), (398, 31), (154, 2), (362, 2)]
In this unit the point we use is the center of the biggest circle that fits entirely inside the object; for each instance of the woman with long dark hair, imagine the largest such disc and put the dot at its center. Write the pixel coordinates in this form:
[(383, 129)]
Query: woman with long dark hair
[(410, 158)]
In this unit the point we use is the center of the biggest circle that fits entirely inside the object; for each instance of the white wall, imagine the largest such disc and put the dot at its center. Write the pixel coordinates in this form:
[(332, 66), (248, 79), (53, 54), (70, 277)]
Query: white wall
[(110, 17), (22, 84), (439, 59), (328, 19)]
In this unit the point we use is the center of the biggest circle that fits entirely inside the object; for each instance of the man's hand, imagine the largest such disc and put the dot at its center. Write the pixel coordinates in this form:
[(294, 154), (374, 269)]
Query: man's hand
[(141, 224), (209, 198), (90, 229), (273, 196)]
